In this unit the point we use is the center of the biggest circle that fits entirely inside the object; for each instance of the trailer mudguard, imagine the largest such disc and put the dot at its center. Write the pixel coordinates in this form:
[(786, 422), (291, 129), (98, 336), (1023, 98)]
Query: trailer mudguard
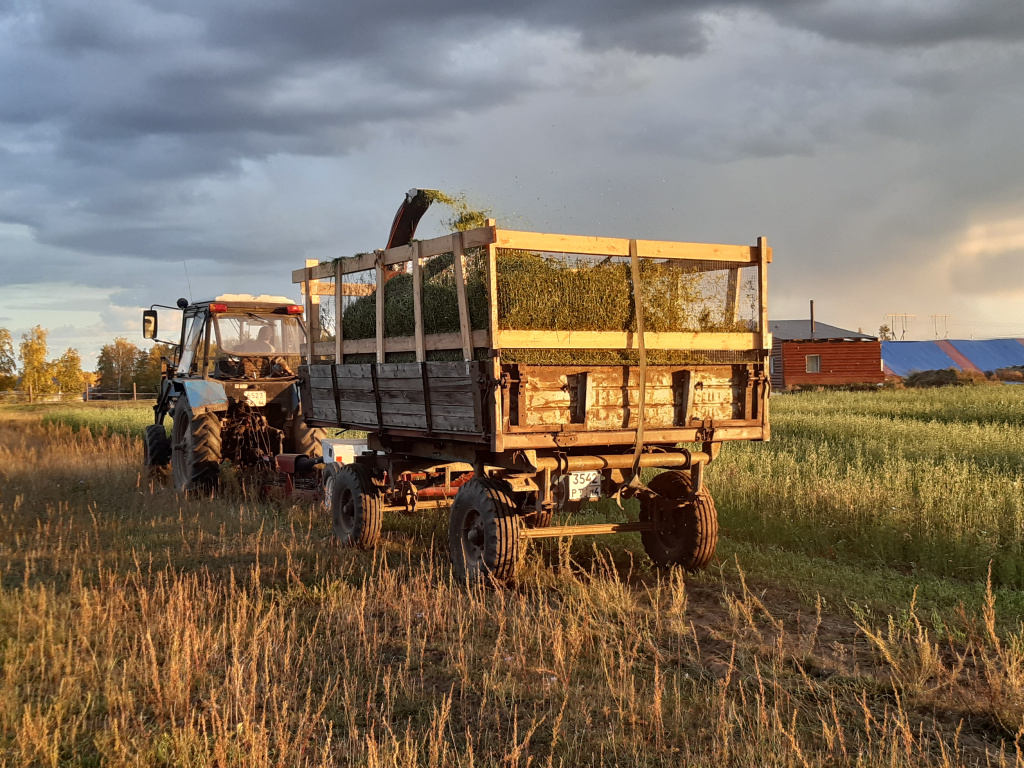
[(204, 396)]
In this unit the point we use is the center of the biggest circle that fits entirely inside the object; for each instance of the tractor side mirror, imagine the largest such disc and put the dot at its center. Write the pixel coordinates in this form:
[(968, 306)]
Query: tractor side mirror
[(149, 324)]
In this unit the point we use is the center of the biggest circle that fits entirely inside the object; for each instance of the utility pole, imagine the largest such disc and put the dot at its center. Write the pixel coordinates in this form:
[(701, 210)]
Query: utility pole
[(905, 321), (940, 320)]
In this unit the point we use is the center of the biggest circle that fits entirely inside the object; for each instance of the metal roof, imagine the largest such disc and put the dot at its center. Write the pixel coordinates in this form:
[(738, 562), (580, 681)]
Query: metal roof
[(800, 330), (903, 357)]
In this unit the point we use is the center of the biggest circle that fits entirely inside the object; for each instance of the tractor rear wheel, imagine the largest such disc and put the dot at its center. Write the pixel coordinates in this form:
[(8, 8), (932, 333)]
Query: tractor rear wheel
[(483, 532), (195, 450), (302, 439), (689, 525), (357, 507), (157, 451)]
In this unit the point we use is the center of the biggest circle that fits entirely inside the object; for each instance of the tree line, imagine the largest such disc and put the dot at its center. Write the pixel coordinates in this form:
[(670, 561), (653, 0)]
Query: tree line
[(120, 365)]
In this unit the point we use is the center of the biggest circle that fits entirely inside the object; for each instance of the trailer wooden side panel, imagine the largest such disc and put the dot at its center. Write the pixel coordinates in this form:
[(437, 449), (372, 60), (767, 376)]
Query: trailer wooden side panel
[(428, 397), (606, 398)]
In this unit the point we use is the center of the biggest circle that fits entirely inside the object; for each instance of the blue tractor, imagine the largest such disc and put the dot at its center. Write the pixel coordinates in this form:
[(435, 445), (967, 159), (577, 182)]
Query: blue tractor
[(230, 388)]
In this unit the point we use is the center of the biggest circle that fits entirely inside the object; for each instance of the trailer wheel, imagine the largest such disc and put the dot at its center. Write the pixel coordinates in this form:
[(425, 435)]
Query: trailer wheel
[(483, 533), (357, 507), (689, 529), (195, 449), (156, 451)]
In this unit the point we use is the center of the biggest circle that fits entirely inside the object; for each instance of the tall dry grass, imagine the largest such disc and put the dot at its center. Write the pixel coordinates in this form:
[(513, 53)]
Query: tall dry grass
[(140, 628)]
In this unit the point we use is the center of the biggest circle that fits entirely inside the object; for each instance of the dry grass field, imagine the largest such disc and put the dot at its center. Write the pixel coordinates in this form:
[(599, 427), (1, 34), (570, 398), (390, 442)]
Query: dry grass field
[(846, 622)]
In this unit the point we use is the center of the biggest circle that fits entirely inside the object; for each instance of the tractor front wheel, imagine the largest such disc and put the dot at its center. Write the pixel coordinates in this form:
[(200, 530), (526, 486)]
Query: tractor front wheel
[(157, 451), (195, 450)]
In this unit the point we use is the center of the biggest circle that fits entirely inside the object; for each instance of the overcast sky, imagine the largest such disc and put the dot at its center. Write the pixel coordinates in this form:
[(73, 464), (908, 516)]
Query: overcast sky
[(878, 146)]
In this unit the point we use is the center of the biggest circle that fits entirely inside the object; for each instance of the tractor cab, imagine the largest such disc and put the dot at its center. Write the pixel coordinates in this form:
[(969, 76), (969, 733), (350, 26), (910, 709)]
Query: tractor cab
[(237, 337)]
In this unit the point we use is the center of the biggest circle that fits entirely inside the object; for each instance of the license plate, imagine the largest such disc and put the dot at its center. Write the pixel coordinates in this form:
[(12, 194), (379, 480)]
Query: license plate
[(584, 486), (257, 398)]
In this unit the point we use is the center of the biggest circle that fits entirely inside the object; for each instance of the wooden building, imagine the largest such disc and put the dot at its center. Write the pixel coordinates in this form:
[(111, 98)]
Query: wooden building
[(809, 352)]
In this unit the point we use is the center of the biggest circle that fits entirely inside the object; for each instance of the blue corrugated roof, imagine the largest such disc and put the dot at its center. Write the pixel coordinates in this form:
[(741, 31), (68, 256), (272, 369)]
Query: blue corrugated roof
[(902, 357), (991, 354)]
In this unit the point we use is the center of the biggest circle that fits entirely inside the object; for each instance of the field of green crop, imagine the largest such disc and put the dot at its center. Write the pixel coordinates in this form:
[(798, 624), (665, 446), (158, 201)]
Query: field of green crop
[(922, 481), (846, 620)]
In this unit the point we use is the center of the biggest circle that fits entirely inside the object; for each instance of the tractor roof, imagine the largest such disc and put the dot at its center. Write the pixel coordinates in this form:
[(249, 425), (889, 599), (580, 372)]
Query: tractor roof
[(246, 298)]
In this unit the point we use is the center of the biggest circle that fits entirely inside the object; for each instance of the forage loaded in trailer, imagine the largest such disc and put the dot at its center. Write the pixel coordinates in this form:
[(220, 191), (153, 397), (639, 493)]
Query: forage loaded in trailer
[(521, 373)]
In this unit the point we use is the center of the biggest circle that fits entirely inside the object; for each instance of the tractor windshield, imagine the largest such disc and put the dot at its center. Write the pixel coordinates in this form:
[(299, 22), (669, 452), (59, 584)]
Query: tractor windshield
[(247, 344)]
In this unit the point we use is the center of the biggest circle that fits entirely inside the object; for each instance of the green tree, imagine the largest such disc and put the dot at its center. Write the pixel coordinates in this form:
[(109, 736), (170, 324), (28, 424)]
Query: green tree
[(117, 365), (8, 366), (67, 370), (147, 372), (36, 372)]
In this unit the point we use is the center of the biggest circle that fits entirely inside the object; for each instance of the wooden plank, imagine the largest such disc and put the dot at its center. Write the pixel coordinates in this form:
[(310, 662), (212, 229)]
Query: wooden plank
[(347, 289), (380, 309), (433, 341), (417, 305), (459, 261), (310, 339), (473, 238), (732, 295), (762, 294), (614, 246), (338, 312), (437, 370), (510, 339), (495, 404)]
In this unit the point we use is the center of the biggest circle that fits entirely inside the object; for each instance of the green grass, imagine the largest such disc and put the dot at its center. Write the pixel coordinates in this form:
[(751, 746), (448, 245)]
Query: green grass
[(111, 418), (922, 481)]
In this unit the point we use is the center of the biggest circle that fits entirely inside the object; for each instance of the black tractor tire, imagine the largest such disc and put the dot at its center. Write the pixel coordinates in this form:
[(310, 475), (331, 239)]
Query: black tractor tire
[(196, 450), (483, 533), (689, 533), (357, 507), (302, 439), (156, 451)]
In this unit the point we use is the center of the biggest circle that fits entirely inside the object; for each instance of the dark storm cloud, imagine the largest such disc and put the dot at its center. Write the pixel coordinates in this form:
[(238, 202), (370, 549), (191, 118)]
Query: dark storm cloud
[(918, 23), (138, 133)]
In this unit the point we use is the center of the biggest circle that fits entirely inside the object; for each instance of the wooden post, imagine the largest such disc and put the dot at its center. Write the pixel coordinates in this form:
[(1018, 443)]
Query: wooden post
[(339, 351), (87, 392), (762, 298), (417, 304), (30, 393), (492, 340), (732, 296), (459, 259), (312, 307), (307, 287), (380, 308), (135, 391)]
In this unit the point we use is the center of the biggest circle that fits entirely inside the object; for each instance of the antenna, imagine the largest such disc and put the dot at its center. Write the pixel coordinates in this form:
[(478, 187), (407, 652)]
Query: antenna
[(187, 280)]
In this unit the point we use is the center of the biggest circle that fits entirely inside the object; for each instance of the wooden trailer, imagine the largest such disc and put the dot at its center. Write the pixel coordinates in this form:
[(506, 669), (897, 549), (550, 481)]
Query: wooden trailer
[(521, 423)]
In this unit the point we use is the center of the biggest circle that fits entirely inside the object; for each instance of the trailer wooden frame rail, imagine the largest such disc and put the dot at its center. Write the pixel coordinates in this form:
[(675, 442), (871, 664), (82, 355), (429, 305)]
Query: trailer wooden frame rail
[(700, 255)]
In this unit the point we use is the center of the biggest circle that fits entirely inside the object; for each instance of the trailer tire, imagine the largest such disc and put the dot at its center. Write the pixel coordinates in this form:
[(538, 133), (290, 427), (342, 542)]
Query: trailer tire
[(689, 537), (483, 533), (357, 507), (195, 450), (156, 452)]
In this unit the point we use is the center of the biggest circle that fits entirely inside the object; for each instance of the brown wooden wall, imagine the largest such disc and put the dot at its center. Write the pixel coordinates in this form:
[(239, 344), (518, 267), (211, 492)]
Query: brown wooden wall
[(842, 362)]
